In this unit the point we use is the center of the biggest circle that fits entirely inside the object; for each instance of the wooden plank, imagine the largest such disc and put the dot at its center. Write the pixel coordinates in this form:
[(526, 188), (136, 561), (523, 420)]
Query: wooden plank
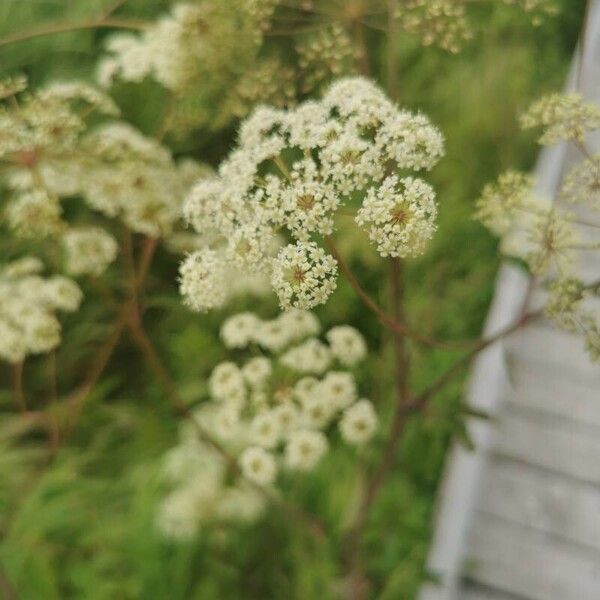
[(554, 444), (476, 592), (527, 563), (537, 387), (561, 352), (547, 502)]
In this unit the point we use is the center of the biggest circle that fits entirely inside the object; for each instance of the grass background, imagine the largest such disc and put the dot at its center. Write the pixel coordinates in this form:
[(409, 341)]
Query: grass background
[(83, 528)]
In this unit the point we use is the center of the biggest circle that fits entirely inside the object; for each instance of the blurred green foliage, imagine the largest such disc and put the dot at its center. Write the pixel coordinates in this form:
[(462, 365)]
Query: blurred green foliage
[(83, 527)]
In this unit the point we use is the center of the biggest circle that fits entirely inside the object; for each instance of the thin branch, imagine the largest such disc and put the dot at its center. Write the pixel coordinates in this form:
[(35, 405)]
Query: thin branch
[(53, 28), (418, 404), (100, 361), (421, 400), (104, 354), (389, 321)]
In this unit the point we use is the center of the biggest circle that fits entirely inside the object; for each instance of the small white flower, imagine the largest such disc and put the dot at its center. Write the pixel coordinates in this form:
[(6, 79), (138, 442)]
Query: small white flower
[(238, 331), (303, 276), (88, 250), (347, 344), (317, 411), (399, 216), (62, 293), (312, 356), (257, 370), (202, 280), (258, 465), (359, 422), (266, 429), (12, 343), (304, 449), (227, 382), (339, 388)]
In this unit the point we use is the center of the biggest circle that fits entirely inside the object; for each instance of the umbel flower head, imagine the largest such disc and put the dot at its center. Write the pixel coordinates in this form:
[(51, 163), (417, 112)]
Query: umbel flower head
[(293, 170), (52, 147), (28, 307), (277, 411), (547, 235), (206, 54)]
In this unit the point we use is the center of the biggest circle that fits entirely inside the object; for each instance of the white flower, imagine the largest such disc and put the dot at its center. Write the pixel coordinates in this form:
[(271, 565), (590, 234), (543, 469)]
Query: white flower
[(504, 201), (288, 417), (339, 388), (317, 411), (266, 429), (12, 343), (273, 335), (563, 117), (308, 202), (187, 460), (300, 323), (202, 280), (303, 276), (411, 141), (350, 140), (258, 465), (347, 344), (304, 449), (88, 250), (359, 422), (399, 216), (62, 293), (227, 383), (238, 331), (305, 388), (34, 214), (312, 356), (41, 331), (257, 370), (28, 265), (178, 515)]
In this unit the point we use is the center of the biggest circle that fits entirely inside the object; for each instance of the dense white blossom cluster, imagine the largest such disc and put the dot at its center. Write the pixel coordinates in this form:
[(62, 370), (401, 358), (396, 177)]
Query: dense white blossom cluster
[(28, 307), (293, 170), (206, 55), (51, 152), (277, 411), (88, 250), (547, 235)]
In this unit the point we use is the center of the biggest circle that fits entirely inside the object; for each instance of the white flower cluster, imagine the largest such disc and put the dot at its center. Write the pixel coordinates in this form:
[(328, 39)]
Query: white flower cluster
[(28, 303), (276, 411), (562, 117), (400, 216), (582, 183), (546, 235), (294, 169), (50, 153), (191, 51), (88, 250)]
